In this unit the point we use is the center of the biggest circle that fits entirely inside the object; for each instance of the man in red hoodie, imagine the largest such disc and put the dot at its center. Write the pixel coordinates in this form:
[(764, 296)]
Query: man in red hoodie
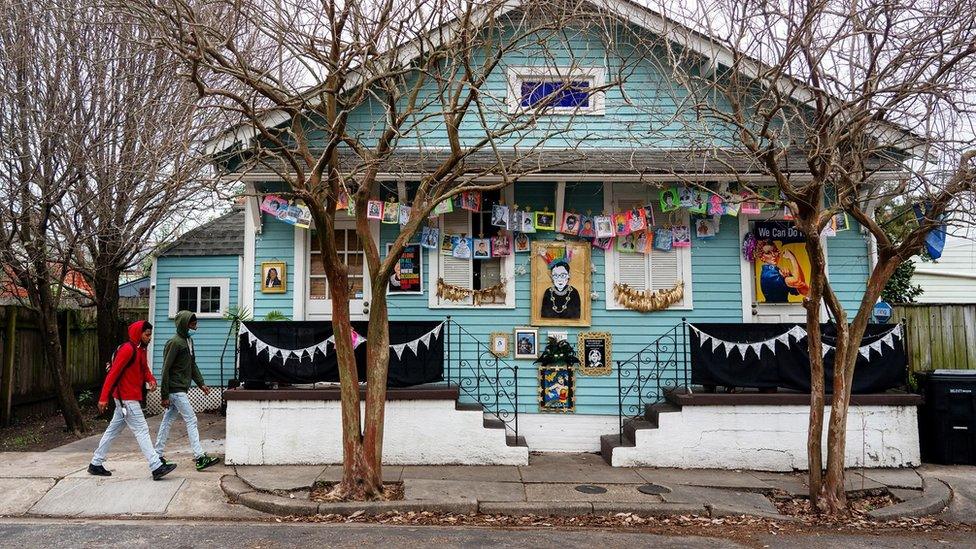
[(126, 377)]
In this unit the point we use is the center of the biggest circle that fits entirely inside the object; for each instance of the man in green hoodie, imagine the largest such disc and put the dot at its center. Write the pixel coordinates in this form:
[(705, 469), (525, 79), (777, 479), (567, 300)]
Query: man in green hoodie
[(179, 367)]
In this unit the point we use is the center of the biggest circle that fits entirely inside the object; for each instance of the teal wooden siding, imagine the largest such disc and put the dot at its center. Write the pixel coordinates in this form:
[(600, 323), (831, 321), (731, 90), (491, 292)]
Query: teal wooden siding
[(211, 332), (275, 243), (847, 266)]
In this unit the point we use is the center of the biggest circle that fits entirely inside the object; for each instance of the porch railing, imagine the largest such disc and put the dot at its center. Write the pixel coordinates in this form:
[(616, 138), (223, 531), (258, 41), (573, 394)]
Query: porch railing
[(481, 376), (643, 378)]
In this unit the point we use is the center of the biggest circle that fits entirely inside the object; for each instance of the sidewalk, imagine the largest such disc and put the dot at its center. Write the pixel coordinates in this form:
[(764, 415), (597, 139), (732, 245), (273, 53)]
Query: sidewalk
[(55, 483)]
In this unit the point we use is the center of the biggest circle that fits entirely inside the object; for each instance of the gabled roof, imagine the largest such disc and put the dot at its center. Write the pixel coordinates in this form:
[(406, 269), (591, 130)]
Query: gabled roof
[(222, 236)]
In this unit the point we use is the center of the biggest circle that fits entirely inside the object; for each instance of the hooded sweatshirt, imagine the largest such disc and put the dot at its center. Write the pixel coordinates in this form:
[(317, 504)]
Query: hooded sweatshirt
[(179, 360), (129, 377)]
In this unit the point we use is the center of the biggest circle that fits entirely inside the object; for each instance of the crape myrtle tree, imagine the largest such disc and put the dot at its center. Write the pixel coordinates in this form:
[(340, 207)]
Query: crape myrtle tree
[(842, 107), (416, 70), (42, 124), (143, 156)]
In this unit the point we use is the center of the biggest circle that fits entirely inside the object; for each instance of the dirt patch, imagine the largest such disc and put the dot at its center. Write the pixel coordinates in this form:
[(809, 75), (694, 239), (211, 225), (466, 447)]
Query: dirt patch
[(858, 506), (42, 432), (392, 491)]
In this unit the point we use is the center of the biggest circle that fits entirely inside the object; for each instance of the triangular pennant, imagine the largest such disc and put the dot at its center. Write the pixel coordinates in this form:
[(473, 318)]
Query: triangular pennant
[(413, 346), (437, 330), (742, 347), (425, 339), (260, 346), (757, 347), (876, 346), (398, 349), (865, 351), (770, 344), (888, 340), (704, 338), (824, 349), (306, 354), (716, 343), (722, 345)]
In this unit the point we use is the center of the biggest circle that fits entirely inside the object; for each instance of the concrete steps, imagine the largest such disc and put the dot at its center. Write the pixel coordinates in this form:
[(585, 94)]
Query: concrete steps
[(650, 420)]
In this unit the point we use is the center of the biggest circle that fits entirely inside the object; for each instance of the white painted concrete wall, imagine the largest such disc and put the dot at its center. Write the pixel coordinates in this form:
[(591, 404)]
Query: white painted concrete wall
[(416, 432), (565, 432), (770, 438)]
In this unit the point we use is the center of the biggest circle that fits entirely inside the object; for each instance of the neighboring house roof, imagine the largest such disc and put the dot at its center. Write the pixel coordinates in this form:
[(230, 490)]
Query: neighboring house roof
[(222, 236), (72, 279), (616, 160), (135, 288)]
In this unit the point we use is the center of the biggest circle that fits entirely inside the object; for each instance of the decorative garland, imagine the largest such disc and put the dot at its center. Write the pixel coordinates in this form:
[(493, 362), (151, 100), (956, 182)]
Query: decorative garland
[(323, 346), (647, 301), (794, 334), (451, 292)]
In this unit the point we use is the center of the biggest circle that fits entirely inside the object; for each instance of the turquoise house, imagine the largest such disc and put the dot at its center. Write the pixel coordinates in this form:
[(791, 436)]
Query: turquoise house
[(600, 166)]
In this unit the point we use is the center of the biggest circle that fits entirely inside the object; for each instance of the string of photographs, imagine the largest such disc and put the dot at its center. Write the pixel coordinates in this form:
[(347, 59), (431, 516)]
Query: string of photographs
[(795, 333), (323, 346)]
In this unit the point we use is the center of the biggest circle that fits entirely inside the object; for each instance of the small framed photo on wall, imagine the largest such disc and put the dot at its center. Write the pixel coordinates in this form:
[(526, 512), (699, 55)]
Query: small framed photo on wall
[(273, 279), (594, 350), (499, 344), (526, 343)]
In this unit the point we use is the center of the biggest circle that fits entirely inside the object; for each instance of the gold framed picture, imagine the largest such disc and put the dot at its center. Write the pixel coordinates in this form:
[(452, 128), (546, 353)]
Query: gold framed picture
[(594, 350), (560, 283), (273, 277), (499, 344)]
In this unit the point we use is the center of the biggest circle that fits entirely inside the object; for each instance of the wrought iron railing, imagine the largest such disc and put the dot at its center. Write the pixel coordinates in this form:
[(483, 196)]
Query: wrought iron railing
[(643, 378), (480, 375)]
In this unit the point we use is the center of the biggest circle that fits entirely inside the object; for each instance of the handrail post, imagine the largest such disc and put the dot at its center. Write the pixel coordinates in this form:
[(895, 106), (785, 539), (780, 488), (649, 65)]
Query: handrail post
[(685, 352), (447, 346), (620, 406), (515, 375)]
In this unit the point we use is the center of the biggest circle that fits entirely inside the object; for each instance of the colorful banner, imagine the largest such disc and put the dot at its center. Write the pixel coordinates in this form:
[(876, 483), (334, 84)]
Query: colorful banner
[(782, 267)]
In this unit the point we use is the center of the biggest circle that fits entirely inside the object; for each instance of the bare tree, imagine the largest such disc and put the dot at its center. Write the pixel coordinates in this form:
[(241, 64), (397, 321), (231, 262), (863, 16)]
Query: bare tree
[(844, 107), (42, 122), (143, 154), (417, 69)]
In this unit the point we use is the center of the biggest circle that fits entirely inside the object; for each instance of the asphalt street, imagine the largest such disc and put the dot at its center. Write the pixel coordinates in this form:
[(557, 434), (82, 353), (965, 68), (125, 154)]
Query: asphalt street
[(22, 533)]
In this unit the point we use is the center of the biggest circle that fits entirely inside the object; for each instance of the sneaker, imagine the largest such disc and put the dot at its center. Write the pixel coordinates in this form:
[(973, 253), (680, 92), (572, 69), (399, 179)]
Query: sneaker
[(163, 470), (205, 461), (163, 460), (98, 471)]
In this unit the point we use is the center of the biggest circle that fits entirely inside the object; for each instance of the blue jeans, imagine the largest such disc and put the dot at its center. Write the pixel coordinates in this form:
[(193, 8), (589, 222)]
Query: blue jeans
[(179, 405), (127, 412)]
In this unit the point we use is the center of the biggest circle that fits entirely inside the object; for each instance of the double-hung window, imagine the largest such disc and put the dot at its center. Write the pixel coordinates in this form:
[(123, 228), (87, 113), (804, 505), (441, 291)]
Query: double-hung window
[(556, 90), (206, 297), (657, 270), (474, 274)]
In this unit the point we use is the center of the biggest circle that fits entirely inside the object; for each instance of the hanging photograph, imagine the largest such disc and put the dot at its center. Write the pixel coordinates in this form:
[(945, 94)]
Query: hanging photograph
[(649, 215), (570, 224), (560, 277), (663, 240), (471, 201), (374, 209), (443, 207), (621, 224), (603, 243), (594, 350), (500, 216), (669, 200), (642, 242), (273, 279), (527, 222), (839, 222), (522, 243), (272, 205), (545, 221), (391, 213), (716, 206), (407, 277), (447, 243), (501, 245), (587, 228), (627, 244), (705, 228), (604, 226), (699, 204), (404, 214), (680, 236), (526, 343), (482, 248), (499, 344), (557, 389), (748, 202), (782, 266), (429, 237), (461, 246), (638, 220)]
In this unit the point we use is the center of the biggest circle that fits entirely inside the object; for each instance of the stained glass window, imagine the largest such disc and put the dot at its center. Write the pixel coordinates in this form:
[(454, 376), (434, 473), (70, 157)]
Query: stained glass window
[(556, 93)]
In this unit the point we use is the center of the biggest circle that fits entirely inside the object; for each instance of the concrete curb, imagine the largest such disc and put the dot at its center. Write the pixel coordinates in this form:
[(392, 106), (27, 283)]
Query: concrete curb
[(935, 497), (234, 487), (538, 508)]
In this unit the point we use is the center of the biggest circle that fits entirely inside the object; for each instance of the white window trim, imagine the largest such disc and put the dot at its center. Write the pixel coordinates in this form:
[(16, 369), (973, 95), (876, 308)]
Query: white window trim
[(222, 283), (508, 273), (610, 263), (596, 75)]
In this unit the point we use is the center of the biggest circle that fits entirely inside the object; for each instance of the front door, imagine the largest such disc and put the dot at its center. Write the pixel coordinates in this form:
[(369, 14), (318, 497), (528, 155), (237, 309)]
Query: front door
[(773, 282), (318, 294)]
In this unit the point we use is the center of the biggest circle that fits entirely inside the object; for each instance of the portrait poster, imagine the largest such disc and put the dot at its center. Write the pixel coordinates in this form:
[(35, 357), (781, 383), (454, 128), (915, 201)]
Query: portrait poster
[(429, 237), (716, 206), (545, 221), (663, 239), (621, 224), (374, 209), (680, 236), (391, 213), (500, 216), (603, 243), (570, 224), (649, 215), (593, 349), (638, 220), (604, 226), (407, 277), (560, 282), (587, 228), (461, 246), (557, 389), (404, 214), (669, 200), (840, 222), (274, 279), (643, 241), (699, 203), (782, 266), (705, 228), (522, 243), (627, 244), (342, 203), (471, 201), (501, 245), (447, 243), (482, 248), (527, 222), (686, 196), (443, 207), (272, 204), (526, 343), (748, 202)]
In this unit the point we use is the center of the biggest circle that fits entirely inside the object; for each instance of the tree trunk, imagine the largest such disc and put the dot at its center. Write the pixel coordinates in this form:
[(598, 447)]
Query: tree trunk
[(817, 390), (55, 361), (377, 369), (835, 496), (105, 284)]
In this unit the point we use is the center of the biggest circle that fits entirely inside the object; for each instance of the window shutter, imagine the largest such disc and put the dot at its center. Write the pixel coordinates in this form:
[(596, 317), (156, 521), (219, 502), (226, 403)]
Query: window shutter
[(631, 268), (665, 266), (454, 271)]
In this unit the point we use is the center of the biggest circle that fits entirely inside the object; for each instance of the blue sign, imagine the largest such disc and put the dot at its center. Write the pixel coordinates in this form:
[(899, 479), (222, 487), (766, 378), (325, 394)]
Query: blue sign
[(882, 312)]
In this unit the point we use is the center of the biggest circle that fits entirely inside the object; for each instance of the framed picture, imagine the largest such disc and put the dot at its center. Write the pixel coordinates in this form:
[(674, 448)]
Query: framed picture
[(594, 350), (499, 344), (522, 243), (408, 273), (557, 389), (545, 221), (526, 343), (560, 279), (273, 279)]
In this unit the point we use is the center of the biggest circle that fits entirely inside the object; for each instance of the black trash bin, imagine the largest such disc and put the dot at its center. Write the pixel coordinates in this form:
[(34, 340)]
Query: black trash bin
[(947, 420)]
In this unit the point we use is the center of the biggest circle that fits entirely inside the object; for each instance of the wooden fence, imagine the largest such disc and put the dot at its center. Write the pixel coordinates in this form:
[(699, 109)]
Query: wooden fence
[(24, 379), (940, 335)]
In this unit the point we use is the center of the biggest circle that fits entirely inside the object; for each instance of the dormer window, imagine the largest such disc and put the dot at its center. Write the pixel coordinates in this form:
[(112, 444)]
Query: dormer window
[(555, 90)]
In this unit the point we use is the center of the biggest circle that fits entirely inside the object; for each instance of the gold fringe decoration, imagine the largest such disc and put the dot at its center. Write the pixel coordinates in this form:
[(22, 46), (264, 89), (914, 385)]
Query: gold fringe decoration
[(451, 292), (648, 301)]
